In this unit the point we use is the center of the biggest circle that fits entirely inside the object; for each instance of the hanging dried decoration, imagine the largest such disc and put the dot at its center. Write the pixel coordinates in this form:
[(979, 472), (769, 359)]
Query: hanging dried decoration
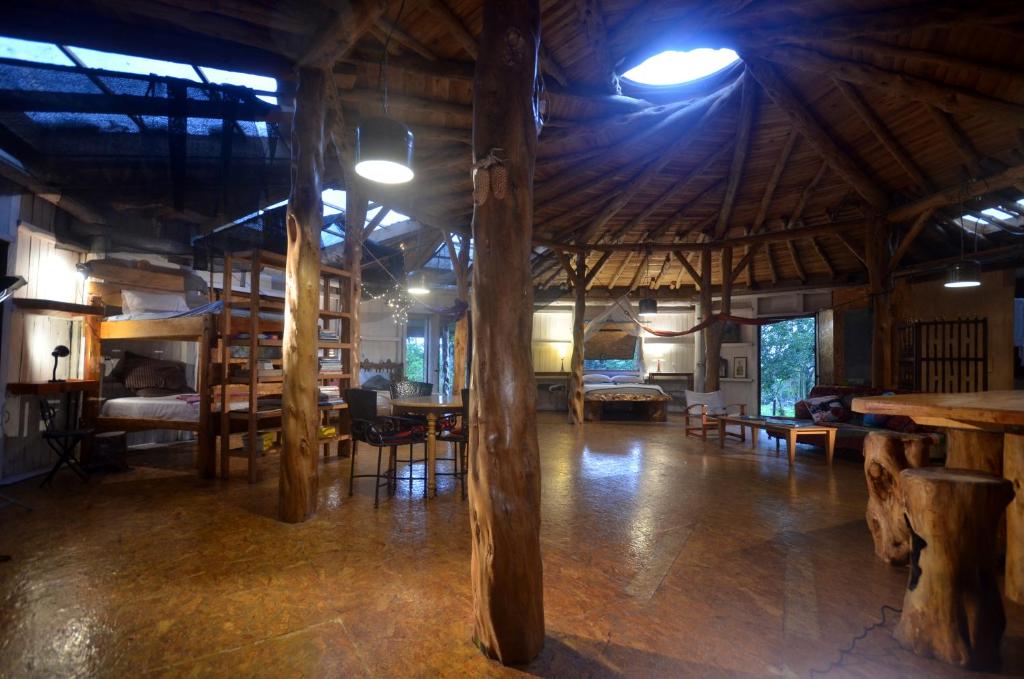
[(490, 177)]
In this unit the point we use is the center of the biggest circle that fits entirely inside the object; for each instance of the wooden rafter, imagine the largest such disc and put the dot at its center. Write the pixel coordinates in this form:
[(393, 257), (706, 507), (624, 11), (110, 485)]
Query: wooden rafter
[(958, 140), (748, 106), (622, 267), (656, 283), (388, 27), (882, 133), (334, 40), (855, 249), (590, 15), (949, 98), (950, 195), (596, 269), (908, 239), (809, 127), (688, 267), (823, 256), (640, 270)]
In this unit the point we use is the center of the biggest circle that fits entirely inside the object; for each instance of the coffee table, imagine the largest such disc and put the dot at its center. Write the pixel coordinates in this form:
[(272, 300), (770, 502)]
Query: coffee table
[(791, 430)]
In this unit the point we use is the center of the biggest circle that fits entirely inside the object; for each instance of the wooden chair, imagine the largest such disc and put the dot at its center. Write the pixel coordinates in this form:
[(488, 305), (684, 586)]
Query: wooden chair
[(63, 442), (704, 407)]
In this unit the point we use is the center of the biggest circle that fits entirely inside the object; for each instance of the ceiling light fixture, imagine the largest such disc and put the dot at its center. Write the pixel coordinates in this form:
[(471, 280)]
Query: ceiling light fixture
[(418, 285), (384, 145), (966, 273)]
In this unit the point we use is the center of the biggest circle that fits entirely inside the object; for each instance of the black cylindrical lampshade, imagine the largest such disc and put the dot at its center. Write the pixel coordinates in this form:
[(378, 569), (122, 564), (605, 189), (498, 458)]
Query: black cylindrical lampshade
[(648, 306), (964, 274), (384, 151)]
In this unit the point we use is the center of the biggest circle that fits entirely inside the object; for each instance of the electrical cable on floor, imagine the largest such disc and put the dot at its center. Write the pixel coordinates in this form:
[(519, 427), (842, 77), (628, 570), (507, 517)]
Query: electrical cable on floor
[(843, 652)]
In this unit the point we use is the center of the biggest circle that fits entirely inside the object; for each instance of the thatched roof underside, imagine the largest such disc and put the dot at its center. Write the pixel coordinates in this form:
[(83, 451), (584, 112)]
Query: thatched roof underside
[(839, 113)]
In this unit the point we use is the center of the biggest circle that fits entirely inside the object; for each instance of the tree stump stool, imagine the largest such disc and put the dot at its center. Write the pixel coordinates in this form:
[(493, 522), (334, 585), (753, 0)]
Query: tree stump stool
[(1013, 471), (886, 454), (952, 609)]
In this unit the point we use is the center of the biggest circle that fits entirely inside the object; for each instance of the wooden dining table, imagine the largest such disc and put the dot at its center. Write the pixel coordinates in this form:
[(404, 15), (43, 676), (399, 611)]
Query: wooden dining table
[(998, 412), (431, 408)]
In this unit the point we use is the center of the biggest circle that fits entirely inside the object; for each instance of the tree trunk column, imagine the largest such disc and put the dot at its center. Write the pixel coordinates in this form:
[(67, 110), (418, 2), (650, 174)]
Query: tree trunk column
[(952, 609), (504, 484), (712, 333), (876, 257), (576, 414), (298, 475)]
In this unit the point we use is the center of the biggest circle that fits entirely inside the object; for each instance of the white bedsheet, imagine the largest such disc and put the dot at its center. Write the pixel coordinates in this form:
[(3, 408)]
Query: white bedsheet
[(151, 408), (623, 388)]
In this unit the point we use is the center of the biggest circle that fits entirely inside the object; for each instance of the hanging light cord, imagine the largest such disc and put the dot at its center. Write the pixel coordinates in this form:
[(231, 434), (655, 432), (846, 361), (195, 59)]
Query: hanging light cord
[(382, 76)]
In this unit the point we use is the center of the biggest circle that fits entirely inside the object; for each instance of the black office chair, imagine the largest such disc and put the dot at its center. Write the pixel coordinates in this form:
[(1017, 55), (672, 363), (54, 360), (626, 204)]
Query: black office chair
[(381, 432), (459, 435), (62, 442)]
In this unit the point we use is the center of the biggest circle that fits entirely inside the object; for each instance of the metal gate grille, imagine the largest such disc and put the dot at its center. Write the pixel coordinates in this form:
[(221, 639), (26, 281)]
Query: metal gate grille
[(943, 356)]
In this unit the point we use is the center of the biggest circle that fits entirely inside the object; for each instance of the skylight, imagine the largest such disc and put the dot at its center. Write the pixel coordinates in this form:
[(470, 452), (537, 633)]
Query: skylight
[(38, 52), (996, 213), (125, 63), (675, 68)]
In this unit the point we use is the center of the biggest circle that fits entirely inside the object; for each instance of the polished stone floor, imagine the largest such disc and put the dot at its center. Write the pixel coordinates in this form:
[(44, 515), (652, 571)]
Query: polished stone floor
[(662, 556)]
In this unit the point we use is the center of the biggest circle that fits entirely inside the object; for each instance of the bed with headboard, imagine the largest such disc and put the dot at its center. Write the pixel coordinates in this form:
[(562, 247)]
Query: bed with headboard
[(623, 396), (378, 376)]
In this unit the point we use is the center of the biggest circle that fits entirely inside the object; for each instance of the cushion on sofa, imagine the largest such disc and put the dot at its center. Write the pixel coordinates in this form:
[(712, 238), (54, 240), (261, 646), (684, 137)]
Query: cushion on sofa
[(825, 409)]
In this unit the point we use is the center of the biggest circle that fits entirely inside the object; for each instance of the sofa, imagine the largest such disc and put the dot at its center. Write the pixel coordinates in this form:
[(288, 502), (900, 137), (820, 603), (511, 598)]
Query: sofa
[(851, 425)]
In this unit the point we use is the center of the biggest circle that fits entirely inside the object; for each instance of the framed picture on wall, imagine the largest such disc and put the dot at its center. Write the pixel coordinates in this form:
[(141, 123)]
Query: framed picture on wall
[(739, 367), (723, 367)]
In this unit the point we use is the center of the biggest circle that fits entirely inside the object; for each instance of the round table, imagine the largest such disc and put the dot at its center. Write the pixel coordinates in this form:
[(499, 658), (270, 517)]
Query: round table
[(430, 407)]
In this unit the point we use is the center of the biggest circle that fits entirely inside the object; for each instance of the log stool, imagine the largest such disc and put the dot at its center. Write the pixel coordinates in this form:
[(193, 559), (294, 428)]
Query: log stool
[(1013, 471), (886, 454), (952, 609)]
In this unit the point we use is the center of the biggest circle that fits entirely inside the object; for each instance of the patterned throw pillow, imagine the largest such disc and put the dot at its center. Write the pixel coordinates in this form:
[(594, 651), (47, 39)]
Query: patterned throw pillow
[(825, 409)]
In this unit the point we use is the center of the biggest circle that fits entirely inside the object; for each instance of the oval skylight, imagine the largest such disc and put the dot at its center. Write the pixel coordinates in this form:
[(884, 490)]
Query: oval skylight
[(675, 68)]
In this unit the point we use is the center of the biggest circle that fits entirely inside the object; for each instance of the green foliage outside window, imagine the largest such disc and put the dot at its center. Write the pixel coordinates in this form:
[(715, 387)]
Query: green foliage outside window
[(787, 364), (415, 357)]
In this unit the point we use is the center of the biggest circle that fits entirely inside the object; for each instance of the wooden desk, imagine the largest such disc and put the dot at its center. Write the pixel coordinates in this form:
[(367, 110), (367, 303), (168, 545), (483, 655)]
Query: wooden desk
[(430, 407), (988, 411), (90, 387)]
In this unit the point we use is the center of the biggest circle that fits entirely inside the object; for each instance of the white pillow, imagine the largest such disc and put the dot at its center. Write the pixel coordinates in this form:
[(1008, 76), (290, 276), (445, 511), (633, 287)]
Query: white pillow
[(136, 301), (596, 379), (627, 379)]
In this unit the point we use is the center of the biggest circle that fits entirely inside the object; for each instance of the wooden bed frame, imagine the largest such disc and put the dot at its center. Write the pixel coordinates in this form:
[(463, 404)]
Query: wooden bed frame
[(652, 408)]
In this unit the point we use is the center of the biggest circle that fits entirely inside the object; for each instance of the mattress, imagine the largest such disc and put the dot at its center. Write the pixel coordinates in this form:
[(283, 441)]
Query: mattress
[(211, 308), (151, 408), (606, 390)]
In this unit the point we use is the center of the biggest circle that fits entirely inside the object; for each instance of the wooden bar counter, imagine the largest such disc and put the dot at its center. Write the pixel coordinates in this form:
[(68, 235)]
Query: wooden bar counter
[(1001, 412)]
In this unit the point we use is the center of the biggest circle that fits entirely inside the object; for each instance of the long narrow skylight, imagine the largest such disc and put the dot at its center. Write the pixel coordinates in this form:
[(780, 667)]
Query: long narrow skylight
[(996, 213), (260, 83), (675, 68), (126, 63), (36, 52)]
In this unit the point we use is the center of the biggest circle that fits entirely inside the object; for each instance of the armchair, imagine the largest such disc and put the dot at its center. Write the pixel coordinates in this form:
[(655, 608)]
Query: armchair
[(704, 408)]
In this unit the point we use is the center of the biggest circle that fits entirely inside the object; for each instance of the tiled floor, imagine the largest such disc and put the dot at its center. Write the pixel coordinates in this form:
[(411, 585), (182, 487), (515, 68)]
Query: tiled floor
[(662, 557)]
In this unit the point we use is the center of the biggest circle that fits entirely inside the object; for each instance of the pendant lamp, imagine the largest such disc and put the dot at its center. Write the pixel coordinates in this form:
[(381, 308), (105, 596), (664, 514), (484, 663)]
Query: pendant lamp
[(384, 151), (964, 274), (418, 285), (384, 145)]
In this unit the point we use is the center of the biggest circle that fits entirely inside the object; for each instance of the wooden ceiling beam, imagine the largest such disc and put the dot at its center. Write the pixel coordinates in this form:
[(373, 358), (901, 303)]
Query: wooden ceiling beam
[(882, 134), (823, 256), (773, 270), (690, 269), (596, 33), (336, 39), (809, 127), (656, 283), (622, 267), (669, 154), (952, 195), (372, 97), (596, 269), (447, 18), (674, 189), (855, 249), (949, 98), (748, 107), (388, 27), (958, 140), (640, 269), (908, 239), (773, 181), (805, 195)]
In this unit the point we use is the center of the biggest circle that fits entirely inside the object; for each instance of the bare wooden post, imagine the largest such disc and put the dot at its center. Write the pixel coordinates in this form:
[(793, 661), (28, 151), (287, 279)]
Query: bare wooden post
[(886, 454), (576, 363), (713, 333), (504, 483), (460, 342), (300, 418), (355, 217), (952, 609), (877, 259), (1013, 471)]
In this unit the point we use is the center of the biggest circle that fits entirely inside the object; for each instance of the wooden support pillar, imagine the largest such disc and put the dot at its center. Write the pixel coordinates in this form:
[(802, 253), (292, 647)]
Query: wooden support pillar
[(300, 419), (355, 217), (877, 258), (1013, 471), (504, 481), (713, 333), (576, 363), (460, 343)]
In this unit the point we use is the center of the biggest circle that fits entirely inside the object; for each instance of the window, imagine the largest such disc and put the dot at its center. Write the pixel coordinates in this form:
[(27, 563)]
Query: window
[(611, 364), (675, 68)]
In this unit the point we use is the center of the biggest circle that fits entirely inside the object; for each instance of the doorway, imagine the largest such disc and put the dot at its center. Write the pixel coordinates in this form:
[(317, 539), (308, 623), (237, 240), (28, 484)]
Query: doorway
[(787, 365), (416, 356)]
